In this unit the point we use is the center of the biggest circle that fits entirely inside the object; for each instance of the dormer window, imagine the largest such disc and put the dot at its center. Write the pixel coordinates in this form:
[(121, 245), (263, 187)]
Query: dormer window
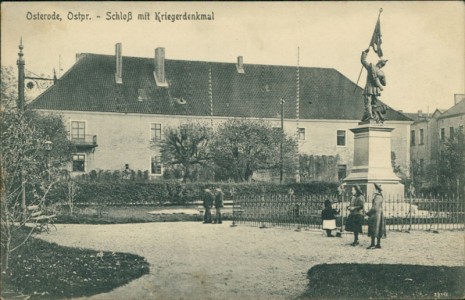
[(142, 95), (240, 65), (181, 101)]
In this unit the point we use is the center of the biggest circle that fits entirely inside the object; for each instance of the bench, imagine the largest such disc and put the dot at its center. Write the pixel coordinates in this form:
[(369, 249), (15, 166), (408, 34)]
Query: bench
[(41, 221)]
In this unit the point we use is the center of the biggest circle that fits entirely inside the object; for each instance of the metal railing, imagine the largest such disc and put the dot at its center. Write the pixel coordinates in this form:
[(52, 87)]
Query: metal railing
[(304, 211), (84, 140)]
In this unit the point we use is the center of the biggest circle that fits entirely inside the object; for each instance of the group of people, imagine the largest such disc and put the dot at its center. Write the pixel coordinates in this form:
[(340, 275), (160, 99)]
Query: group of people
[(211, 199), (376, 221)]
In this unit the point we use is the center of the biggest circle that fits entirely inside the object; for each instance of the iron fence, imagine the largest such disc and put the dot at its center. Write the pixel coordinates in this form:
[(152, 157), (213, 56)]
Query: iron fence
[(304, 211)]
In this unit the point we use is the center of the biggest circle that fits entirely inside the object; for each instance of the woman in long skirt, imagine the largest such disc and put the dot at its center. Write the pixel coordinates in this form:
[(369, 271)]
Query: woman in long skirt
[(355, 219)]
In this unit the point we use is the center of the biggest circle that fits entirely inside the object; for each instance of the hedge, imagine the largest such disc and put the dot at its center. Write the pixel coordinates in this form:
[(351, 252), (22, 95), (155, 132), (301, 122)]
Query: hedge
[(172, 192)]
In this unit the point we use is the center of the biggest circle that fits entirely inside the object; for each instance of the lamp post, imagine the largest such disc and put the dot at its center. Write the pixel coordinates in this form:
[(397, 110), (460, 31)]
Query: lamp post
[(48, 148), (22, 107), (281, 160), (20, 62)]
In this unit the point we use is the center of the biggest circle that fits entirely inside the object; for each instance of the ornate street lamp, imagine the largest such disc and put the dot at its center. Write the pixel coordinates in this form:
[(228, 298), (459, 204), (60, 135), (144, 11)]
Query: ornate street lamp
[(39, 82), (22, 106)]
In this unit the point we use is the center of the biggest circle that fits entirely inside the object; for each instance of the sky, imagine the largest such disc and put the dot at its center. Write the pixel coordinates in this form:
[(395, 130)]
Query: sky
[(424, 42)]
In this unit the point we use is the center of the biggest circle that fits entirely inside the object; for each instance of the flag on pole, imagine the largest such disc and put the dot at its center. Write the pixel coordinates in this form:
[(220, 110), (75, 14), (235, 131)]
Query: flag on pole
[(376, 40)]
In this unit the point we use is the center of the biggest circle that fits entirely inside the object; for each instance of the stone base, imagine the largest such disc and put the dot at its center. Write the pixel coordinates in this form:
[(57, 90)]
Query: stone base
[(372, 162), (369, 121), (393, 191)]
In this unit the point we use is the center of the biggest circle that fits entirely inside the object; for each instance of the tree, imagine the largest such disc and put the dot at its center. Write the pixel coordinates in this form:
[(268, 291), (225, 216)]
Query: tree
[(451, 167), (27, 169), (241, 147), (9, 88), (185, 147), (396, 168)]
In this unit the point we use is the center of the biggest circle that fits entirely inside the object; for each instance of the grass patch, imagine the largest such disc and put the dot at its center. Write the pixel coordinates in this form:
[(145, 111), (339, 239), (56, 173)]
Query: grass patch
[(121, 215), (45, 270), (383, 281)]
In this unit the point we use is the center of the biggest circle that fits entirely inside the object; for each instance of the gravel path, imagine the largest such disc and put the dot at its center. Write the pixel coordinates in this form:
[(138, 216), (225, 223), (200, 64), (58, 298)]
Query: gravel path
[(196, 261)]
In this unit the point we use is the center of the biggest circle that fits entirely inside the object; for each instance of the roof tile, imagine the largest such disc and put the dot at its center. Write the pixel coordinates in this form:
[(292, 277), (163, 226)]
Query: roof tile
[(90, 86)]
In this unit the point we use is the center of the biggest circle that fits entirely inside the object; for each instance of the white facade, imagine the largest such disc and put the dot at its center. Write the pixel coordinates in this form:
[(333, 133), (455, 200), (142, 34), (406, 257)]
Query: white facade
[(125, 138)]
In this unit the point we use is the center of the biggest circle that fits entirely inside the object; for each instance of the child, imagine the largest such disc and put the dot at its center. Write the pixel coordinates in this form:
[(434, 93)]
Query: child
[(329, 218)]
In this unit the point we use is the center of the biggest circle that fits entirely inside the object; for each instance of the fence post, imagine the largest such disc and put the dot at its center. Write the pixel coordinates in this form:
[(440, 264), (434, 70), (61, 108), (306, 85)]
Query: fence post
[(410, 213), (261, 214), (234, 212)]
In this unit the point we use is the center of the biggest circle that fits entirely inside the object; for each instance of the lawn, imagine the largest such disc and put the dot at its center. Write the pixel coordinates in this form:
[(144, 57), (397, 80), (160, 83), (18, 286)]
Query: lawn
[(385, 281), (123, 215), (45, 270)]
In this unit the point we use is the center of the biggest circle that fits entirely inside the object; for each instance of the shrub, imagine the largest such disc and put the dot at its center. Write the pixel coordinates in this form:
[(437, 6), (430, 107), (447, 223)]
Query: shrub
[(128, 192)]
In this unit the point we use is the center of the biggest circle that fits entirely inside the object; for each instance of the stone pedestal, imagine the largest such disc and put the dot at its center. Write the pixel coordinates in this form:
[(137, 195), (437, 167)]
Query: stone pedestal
[(372, 162)]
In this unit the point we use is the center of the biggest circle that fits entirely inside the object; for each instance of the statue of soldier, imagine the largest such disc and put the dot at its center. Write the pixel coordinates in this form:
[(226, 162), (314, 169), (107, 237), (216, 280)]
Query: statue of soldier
[(374, 85)]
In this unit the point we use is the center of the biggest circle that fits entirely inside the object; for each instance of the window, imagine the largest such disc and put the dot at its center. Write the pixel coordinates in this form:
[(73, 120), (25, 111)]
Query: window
[(78, 130), (156, 165), (301, 133), (142, 95), (341, 137), (422, 136), (155, 131), (461, 128), (412, 138), (79, 162), (341, 172), (451, 132), (422, 165), (443, 134)]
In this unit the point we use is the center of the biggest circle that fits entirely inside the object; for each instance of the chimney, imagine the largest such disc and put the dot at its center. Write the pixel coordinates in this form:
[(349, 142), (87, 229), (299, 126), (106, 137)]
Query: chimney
[(79, 56), (240, 65), (160, 67), (420, 113), (119, 63), (458, 98)]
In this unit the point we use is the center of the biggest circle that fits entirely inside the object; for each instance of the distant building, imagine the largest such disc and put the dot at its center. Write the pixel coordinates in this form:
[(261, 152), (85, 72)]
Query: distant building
[(115, 106), (429, 132)]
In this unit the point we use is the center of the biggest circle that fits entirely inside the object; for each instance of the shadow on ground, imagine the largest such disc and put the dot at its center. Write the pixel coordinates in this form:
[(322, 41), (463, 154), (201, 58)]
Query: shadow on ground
[(383, 281)]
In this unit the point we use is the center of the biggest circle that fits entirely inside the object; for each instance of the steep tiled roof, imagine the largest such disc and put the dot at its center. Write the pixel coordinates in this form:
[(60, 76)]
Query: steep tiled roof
[(415, 117), (90, 86), (458, 109)]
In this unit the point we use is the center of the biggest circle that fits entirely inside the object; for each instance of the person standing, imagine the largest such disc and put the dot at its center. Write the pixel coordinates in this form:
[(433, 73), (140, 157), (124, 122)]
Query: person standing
[(328, 215), (376, 220), (218, 205), (355, 218), (207, 205), (127, 173)]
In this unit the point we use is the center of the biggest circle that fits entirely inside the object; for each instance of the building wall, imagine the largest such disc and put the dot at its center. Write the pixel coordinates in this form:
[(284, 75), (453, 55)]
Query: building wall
[(447, 123), (433, 134), (429, 151), (400, 144), (422, 151), (125, 138)]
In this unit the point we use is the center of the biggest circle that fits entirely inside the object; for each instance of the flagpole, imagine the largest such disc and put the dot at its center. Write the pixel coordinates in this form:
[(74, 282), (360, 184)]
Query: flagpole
[(360, 74)]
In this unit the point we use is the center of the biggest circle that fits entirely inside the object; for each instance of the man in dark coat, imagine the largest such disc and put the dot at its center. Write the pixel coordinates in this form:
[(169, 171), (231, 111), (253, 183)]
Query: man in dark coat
[(218, 205), (207, 205)]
